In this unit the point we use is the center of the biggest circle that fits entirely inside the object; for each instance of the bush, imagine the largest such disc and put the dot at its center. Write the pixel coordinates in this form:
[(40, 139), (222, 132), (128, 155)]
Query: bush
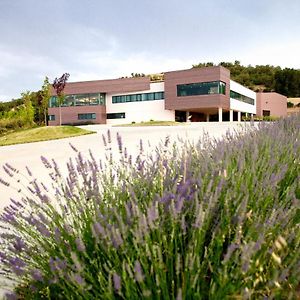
[(290, 104), (214, 220)]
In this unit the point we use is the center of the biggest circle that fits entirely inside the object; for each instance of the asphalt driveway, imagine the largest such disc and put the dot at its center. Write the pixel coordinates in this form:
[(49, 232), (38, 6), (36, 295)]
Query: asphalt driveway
[(29, 155)]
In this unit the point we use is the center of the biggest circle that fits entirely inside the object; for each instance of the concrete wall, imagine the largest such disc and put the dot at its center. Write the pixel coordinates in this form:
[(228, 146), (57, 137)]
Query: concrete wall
[(237, 105), (140, 111), (69, 115), (274, 102)]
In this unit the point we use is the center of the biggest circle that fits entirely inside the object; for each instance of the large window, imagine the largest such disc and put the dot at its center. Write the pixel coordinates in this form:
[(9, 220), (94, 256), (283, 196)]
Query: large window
[(138, 97), (116, 116), (51, 117), (79, 100), (90, 116), (201, 88), (240, 97)]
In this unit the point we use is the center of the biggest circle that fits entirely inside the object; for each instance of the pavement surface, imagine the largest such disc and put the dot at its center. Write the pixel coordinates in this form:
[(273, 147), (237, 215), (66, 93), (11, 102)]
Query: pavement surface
[(20, 156)]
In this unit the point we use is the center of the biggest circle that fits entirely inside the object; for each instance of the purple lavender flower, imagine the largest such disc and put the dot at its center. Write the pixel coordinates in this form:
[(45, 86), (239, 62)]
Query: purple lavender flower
[(4, 182), (57, 234), (141, 146), (138, 273), (167, 141), (43, 230), (79, 280), (7, 171), (46, 162), (120, 144), (28, 171), (152, 213), (17, 203), (104, 140), (80, 245), (230, 250), (17, 265), (117, 239), (73, 148), (8, 217), (19, 244), (9, 166), (11, 296), (117, 282), (108, 136), (99, 230), (37, 275), (3, 256)]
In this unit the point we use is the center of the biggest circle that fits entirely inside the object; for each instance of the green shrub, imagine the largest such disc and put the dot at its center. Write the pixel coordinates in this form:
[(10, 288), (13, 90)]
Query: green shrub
[(214, 220)]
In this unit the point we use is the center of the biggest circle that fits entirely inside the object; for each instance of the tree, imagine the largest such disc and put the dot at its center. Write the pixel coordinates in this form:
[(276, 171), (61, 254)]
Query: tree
[(29, 110), (59, 86), (46, 95)]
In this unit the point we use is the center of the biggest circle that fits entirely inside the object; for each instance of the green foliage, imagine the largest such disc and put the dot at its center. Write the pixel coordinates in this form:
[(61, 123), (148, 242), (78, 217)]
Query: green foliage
[(46, 95), (290, 104), (7, 106), (28, 113), (136, 75), (214, 220), (287, 82), (263, 78)]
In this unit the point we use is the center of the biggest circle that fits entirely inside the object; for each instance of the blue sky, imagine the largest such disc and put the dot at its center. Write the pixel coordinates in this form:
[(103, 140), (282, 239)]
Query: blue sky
[(95, 39)]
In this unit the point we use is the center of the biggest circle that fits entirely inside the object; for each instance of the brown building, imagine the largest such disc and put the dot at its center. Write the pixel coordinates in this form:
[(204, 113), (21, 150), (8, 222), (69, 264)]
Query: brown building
[(197, 94), (271, 104)]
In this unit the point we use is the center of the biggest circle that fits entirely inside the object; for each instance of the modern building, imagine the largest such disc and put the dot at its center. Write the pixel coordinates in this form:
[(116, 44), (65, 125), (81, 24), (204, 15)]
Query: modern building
[(198, 94), (271, 104)]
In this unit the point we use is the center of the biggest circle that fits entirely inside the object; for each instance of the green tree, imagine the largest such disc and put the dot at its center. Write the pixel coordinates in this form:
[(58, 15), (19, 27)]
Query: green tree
[(28, 114), (46, 95)]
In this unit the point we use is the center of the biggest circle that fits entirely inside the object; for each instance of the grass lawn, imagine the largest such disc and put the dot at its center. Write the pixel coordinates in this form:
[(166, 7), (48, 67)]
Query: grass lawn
[(152, 123), (41, 134)]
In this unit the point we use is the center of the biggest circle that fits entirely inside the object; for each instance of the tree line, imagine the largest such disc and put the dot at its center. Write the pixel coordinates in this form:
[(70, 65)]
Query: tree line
[(29, 110), (263, 78)]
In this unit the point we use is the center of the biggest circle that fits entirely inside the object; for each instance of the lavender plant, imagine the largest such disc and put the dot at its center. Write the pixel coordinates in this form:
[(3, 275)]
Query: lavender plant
[(213, 220)]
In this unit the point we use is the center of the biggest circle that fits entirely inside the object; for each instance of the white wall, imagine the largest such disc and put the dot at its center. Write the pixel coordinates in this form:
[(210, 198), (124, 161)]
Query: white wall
[(239, 105), (140, 111)]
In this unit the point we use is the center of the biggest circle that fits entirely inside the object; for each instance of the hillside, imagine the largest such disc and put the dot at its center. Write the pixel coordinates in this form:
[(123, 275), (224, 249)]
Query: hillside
[(264, 78)]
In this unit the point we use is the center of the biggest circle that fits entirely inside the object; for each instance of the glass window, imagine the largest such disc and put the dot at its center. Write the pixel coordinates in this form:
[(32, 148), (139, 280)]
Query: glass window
[(138, 97), (240, 97), (82, 99), (53, 102), (79, 100), (51, 117), (102, 99), (150, 96), (201, 88), (159, 95), (89, 116), (94, 99), (116, 116), (69, 101)]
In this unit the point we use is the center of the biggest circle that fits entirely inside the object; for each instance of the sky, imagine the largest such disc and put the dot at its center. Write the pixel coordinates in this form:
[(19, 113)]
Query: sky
[(104, 39)]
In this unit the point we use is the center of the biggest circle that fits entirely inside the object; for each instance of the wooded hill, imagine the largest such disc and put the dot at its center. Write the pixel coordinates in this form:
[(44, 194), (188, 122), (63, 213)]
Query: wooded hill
[(264, 78)]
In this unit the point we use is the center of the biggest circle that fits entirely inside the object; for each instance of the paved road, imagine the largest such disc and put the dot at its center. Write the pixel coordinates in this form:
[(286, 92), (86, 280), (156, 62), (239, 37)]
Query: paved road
[(29, 155)]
